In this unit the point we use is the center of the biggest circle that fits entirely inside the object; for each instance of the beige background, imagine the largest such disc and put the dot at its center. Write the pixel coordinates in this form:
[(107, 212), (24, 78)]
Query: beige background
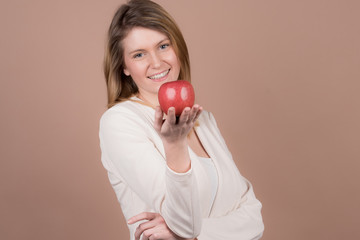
[(281, 77)]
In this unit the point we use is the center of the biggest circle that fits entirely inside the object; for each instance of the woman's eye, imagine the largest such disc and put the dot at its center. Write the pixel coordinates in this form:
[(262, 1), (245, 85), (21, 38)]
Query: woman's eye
[(138, 55), (163, 46)]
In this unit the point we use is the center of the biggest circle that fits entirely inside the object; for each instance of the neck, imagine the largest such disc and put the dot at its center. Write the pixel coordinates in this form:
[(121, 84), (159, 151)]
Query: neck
[(151, 101)]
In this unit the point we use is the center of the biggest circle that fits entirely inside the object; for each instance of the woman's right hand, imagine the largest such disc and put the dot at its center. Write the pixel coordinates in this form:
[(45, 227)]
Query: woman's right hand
[(172, 131), (174, 136)]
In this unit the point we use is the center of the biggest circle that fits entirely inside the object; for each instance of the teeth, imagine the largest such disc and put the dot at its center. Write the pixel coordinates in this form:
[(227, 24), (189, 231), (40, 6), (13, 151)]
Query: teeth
[(160, 75)]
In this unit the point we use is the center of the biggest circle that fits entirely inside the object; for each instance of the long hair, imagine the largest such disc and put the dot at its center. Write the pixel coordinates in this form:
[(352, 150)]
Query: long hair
[(138, 13)]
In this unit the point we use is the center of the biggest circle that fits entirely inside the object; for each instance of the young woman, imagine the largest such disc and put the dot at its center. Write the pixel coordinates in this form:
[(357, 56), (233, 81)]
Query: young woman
[(173, 179)]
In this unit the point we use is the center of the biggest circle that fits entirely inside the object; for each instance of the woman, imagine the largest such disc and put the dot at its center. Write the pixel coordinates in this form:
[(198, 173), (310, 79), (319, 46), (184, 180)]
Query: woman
[(173, 179)]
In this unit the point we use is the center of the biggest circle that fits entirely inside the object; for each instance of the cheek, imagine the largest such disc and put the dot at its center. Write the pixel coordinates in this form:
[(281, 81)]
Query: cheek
[(177, 66), (175, 63), (135, 69), (173, 59)]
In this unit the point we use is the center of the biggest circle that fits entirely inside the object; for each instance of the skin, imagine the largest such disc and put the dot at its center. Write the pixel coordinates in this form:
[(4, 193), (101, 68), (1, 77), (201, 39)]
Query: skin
[(148, 53)]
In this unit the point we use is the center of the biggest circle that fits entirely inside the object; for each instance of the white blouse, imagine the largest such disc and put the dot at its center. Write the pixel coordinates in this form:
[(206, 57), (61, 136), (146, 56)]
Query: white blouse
[(133, 154), (210, 169)]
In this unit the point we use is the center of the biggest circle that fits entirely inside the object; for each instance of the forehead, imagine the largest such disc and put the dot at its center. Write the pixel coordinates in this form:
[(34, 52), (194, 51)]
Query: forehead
[(142, 38)]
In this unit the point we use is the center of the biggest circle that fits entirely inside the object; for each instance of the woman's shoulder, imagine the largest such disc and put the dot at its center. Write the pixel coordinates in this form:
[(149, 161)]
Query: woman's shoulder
[(124, 107), (124, 113)]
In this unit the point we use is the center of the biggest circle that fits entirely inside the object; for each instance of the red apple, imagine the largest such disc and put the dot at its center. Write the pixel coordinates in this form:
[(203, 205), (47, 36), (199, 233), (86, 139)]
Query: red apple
[(179, 94)]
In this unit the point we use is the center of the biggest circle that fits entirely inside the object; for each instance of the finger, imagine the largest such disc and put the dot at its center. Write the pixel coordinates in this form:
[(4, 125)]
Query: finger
[(156, 236), (198, 113), (141, 216), (184, 115), (157, 232), (162, 234), (158, 118), (193, 113), (139, 230), (145, 227), (148, 233), (144, 238), (171, 118)]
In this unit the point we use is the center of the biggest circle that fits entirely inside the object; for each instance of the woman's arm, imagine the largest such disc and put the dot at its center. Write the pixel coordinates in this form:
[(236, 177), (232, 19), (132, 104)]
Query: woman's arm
[(174, 135), (245, 222), (154, 228), (130, 154)]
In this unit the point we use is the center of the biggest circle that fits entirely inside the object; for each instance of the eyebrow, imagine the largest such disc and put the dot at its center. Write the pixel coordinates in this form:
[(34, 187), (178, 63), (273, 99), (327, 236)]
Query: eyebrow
[(140, 50)]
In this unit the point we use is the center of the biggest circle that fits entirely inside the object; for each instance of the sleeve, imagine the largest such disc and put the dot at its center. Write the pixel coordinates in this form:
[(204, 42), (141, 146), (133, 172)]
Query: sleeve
[(133, 157), (245, 222)]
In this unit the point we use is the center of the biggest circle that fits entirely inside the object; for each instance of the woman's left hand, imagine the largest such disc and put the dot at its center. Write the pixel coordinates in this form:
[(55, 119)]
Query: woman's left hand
[(155, 228)]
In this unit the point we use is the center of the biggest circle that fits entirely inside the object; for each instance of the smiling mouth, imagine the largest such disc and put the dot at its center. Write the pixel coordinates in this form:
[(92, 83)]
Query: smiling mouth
[(160, 75)]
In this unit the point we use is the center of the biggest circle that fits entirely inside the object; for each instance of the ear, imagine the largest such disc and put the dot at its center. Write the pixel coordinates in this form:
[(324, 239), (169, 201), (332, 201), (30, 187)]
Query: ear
[(126, 72)]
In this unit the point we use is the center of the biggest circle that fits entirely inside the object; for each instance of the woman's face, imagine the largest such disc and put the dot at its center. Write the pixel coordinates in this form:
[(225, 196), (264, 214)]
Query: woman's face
[(150, 60)]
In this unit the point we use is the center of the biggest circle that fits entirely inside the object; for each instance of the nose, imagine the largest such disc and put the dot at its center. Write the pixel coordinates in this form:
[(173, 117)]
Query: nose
[(155, 60)]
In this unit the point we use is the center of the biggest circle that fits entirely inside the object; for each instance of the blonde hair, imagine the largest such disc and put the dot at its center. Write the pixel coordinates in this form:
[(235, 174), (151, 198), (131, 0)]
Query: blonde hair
[(138, 13)]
